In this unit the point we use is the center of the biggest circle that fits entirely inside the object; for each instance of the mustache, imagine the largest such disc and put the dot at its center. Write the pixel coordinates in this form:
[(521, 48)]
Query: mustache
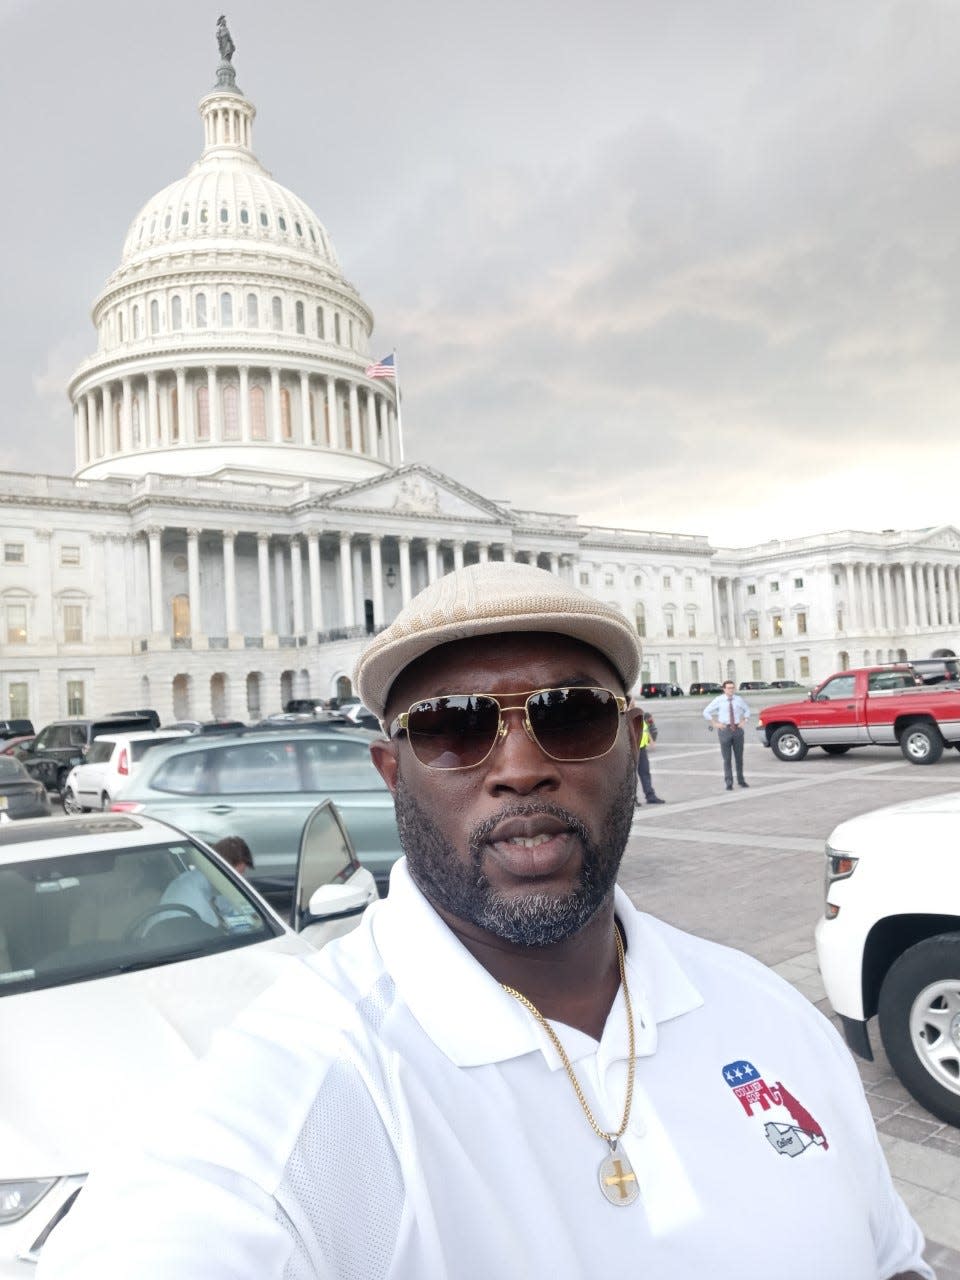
[(482, 831)]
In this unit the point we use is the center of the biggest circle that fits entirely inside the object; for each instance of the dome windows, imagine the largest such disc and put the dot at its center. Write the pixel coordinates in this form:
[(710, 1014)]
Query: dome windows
[(137, 322), (231, 412), (154, 316), (336, 327), (245, 216), (278, 313), (298, 229), (258, 414), (167, 220), (320, 328), (313, 234), (264, 220), (224, 214), (185, 217), (299, 318), (204, 216), (200, 310), (153, 224), (226, 310), (176, 312), (203, 413), (253, 311), (281, 222)]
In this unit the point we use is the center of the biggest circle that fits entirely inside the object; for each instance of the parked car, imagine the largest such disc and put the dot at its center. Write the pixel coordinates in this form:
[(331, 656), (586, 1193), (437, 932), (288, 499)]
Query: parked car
[(660, 689), (261, 785), (16, 729), (110, 762), (60, 745), (124, 945), (786, 684), (746, 685), (889, 942), (147, 713), (362, 717), (705, 686), (20, 795)]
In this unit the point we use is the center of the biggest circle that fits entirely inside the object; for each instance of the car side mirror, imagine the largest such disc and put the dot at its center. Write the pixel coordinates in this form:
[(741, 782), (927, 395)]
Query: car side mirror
[(336, 900)]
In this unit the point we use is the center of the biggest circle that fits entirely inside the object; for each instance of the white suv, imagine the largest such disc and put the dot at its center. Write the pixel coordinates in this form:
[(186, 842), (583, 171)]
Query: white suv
[(110, 762), (889, 942)]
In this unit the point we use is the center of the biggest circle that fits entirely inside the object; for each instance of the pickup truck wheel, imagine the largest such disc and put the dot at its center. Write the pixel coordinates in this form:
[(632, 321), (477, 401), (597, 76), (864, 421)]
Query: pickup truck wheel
[(920, 1023), (786, 743), (921, 743), (834, 750)]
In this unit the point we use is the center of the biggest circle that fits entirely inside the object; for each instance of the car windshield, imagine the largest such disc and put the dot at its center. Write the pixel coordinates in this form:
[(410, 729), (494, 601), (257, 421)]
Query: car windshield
[(81, 916), (11, 770)]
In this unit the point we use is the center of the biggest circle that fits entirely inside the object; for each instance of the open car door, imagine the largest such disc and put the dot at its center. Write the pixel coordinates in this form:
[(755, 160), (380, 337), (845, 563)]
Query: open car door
[(332, 888)]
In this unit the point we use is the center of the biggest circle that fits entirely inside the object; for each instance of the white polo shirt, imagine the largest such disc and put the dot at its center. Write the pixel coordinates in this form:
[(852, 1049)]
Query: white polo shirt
[(386, 1110)]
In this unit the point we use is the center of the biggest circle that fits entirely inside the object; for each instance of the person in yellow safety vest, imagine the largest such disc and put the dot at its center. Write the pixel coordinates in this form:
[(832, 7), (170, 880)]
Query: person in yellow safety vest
[(647, 737)]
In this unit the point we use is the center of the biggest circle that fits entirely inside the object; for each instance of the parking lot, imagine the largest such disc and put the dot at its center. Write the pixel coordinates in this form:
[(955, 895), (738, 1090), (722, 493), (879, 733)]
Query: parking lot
[(746, 868)]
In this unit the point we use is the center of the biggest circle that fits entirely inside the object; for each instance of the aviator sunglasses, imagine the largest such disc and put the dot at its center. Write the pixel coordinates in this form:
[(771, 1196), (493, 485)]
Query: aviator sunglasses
[(459, 730)]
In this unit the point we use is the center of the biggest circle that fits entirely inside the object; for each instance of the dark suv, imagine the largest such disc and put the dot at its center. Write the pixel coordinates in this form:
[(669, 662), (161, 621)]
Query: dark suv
[(705, 686), (16, 728), (61, 745), (661, 689)]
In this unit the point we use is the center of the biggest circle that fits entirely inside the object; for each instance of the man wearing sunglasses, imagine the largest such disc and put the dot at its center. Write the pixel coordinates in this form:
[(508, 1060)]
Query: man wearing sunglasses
[(507, 1070)]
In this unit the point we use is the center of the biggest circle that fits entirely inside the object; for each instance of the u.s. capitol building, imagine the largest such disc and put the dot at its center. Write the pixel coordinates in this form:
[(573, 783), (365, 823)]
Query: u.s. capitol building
[(240, 516)]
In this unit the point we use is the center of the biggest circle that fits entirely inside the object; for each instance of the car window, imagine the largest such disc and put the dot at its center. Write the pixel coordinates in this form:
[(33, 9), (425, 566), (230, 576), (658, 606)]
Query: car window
[(838, 687), (338, 765), (189, 774), (889, 680), (58, 737), (67, 919), (100, 751), (140, 746), (11, 770), (258, 767)]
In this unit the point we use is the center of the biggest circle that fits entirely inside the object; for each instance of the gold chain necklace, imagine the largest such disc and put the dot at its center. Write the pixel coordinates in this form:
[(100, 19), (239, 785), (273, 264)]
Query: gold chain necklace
[(618, 1182)]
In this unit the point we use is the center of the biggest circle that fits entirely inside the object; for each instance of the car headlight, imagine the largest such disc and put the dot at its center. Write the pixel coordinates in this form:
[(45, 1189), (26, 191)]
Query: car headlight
[(18, 1198), (840, 866)]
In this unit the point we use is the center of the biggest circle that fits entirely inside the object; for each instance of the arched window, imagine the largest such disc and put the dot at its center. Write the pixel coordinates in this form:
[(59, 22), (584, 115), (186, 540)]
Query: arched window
[(224, 215), (203, 214), (135, 414), (344, 687), (120, 326), (231, 412), (137, 323), (336, 327), (264, 220), (320, 332), (253, 311), (176, 312), (258, 414), (200, 310), (253, 695), (281, 222), (245, 216), (185, 217), (154, 316), (351, 332), (641, 617), (286, 422), (278, 313), (174, 416), (298, 313), (843, 660), (226, 310), (182, 702), (203, 413)]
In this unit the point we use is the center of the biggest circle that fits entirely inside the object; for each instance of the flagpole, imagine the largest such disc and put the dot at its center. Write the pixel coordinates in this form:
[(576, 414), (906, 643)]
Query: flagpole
[(396, 368)]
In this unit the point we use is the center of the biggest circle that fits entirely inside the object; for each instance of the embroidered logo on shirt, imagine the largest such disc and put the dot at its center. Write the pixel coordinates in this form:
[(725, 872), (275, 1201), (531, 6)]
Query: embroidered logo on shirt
[(757, 1097)]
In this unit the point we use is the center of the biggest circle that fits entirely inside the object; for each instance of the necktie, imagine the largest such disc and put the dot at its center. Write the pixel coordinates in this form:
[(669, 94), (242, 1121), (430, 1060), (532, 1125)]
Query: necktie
[(733, 719)]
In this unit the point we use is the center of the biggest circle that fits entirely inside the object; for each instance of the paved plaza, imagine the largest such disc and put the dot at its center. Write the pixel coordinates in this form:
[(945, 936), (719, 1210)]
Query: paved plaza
[(746, 868)]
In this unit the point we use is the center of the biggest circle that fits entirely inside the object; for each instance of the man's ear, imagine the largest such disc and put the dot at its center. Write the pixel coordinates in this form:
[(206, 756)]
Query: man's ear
[(384, 757), (634, 719)]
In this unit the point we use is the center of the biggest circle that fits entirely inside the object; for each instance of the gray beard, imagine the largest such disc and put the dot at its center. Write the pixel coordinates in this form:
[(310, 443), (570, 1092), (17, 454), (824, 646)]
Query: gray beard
[(529, 920)]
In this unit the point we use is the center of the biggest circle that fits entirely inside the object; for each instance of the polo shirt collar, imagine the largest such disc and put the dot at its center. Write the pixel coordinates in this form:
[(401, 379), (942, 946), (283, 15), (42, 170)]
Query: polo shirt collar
[(473, 1021)]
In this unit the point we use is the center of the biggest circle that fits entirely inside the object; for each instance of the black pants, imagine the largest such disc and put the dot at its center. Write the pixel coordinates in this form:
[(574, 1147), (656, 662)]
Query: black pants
[(643, 773), (731, 744)]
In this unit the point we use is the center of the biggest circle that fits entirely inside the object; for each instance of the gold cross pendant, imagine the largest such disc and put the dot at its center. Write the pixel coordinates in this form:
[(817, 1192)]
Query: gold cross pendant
[(618, 1182)]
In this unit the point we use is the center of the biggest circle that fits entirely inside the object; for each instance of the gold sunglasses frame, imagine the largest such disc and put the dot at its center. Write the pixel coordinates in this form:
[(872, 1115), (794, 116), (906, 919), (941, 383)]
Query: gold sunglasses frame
[(399, 724)]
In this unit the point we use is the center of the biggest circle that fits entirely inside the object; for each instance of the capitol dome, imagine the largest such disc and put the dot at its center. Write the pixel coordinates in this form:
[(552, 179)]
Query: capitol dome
[(229, 341)]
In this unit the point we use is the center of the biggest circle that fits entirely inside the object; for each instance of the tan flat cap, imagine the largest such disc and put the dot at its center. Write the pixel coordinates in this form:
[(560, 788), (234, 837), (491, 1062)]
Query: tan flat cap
[(487, 599)]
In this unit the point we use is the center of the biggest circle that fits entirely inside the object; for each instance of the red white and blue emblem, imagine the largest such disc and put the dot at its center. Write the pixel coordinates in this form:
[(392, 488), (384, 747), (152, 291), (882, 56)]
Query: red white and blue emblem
[(757, 1097)]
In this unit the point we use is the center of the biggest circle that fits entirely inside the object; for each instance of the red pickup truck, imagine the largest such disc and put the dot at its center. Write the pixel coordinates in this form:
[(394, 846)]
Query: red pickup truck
[(870, 706)]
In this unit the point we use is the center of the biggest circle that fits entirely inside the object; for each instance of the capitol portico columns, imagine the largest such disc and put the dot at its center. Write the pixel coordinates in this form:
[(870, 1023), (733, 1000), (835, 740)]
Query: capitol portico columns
[(432, 569), (193, 580), (483, 553), (213, 403), (296, 585), (82, 431), (313, 562), (457, 555), (909, 597), (333, 418), (346, 582), (376, 579), (263, 571), (126, 417), (356, 442), (940, 595), (153, 411), (952, 594), (156, 597), (230, 581), (405, 592), (888, 598)]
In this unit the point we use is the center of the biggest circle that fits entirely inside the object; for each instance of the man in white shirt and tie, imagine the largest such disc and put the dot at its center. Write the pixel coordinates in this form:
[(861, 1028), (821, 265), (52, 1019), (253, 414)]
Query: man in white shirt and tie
[(728, 713)]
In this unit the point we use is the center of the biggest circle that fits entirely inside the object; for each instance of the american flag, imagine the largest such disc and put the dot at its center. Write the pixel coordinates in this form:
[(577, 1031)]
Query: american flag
[(385, 368)]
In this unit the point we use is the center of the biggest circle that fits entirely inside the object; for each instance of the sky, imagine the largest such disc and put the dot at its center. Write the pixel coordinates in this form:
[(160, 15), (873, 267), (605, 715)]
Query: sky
[(679, 265)]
